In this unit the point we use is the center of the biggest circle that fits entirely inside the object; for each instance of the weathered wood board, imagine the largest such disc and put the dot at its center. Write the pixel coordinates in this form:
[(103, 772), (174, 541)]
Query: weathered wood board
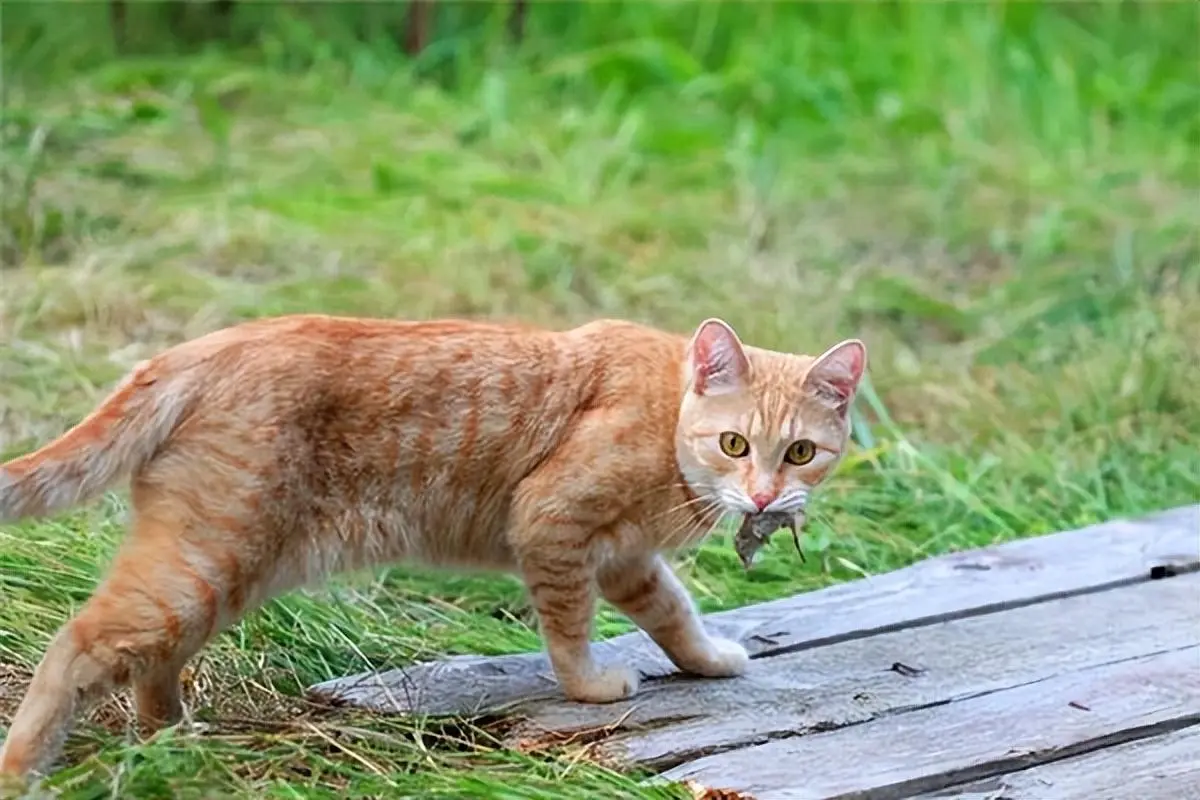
[(1023, 658), (899, 755), (959, 584), (1164, 767), (853, 682)]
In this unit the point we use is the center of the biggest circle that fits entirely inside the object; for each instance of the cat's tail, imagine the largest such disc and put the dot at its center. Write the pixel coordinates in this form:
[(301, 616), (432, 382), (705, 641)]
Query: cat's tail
[(119, 436)]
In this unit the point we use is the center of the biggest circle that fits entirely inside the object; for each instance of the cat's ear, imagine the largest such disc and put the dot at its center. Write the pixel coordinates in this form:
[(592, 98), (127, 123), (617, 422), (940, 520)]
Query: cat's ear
[(716, 359), (835, 374)]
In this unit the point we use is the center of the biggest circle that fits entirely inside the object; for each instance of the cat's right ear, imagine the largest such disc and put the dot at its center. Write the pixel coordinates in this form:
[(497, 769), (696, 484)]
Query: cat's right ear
[(717, 362)]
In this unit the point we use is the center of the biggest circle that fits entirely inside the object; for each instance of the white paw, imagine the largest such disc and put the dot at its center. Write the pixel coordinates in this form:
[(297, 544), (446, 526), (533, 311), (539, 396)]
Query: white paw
[(609, 685), (721, 658)]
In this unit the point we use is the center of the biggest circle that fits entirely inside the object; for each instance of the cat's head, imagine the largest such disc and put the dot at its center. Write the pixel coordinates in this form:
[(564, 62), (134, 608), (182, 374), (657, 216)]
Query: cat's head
[(759, 430)]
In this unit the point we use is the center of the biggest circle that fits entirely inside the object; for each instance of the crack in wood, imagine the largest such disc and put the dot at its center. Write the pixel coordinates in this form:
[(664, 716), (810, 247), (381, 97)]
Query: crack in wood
[(683, 756), (1018, 761), (1161, 572), (528, 735), (1160, 767), (994, 733), (680, 757)]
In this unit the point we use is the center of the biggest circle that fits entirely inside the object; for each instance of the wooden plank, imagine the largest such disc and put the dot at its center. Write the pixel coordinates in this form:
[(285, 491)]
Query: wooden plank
[(954, 585), (904, 754), (854, 682), (1165, 767)]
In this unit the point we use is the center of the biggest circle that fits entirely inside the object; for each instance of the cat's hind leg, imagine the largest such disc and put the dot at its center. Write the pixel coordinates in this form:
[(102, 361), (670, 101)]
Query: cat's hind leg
[(646, 590), (152, 612)]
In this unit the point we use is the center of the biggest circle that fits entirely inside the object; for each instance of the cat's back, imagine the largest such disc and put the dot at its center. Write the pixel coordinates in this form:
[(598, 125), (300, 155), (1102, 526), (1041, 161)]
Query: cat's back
[(451, 386), (363, 357), (384, 429), (362, 399), (308, 338), (370, 358)]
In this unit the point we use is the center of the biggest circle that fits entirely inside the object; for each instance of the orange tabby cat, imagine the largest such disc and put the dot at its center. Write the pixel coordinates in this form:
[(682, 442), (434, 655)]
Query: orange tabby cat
[(273, 453)]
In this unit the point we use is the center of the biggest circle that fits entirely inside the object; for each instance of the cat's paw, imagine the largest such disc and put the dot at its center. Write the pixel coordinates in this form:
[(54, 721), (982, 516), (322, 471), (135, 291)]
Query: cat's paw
[(617, 682), (721, 658)]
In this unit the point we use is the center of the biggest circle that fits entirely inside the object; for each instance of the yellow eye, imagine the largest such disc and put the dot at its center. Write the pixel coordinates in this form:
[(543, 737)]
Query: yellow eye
[(734, 445), (800, 452)]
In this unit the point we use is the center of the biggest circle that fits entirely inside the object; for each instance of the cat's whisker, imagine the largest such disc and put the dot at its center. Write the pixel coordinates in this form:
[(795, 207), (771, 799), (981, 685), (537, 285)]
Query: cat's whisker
[(670, 488), (681, 506), (713, 525), (711, 516)]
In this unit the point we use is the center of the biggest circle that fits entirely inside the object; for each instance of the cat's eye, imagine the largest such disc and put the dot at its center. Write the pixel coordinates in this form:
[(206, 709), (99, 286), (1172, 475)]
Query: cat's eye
[(800, 452), (734, 445)]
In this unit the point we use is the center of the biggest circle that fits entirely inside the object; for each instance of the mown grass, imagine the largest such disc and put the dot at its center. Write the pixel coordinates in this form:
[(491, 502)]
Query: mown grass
[(1002, 200)]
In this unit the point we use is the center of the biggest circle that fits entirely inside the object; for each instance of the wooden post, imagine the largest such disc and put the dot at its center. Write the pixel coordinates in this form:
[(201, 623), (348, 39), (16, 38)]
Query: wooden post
[(416, 31), (516, 20), (116, 14)]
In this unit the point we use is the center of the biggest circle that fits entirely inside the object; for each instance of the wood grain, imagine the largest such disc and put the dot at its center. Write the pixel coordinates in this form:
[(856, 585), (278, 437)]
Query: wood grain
[(1165, 767), (952, 586), (857, 681), (900, 755)]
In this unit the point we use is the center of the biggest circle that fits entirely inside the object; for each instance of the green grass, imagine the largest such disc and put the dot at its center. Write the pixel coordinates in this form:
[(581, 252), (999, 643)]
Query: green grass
[(1001, 200)]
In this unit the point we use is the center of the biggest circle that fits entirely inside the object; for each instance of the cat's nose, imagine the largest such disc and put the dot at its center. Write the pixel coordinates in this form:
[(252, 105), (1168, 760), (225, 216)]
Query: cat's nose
[(762, 499)]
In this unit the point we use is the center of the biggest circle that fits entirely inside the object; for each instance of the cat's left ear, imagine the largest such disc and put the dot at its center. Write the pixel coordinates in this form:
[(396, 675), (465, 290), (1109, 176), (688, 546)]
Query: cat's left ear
[(716, 359), (836, 373)]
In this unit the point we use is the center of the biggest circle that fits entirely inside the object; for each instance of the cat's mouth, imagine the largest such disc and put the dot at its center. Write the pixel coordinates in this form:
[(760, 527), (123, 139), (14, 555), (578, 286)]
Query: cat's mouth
[(756, 529)]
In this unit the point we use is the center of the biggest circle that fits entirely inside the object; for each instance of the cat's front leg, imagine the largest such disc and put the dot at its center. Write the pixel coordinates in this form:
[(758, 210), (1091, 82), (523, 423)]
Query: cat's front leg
[(558, 524), (560, 584), (646, 590)]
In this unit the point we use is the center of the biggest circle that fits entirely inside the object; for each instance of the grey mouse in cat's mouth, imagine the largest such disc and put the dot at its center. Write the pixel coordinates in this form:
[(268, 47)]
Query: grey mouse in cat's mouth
[(756, 529)]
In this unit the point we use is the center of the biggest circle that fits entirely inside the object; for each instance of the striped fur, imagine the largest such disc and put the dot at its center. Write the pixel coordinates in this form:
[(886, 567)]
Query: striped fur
[(271, 454)]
